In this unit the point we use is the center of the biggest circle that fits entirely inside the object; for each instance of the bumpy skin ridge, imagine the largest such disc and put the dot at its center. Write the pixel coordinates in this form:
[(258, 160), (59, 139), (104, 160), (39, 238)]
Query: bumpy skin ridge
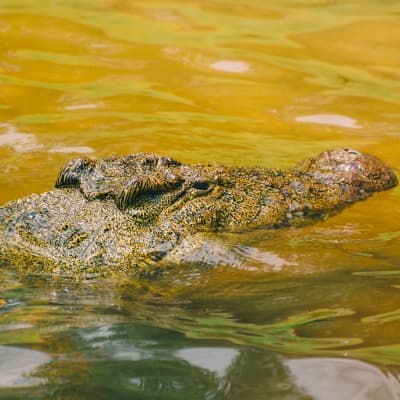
[(131, 213)]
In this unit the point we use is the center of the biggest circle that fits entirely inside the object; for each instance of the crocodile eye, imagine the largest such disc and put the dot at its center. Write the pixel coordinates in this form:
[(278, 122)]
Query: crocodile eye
[(70, 175), (201, 185), (167, 162)]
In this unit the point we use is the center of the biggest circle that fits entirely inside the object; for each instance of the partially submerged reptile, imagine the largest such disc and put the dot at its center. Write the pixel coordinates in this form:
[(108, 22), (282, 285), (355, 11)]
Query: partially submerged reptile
[(135, 212)]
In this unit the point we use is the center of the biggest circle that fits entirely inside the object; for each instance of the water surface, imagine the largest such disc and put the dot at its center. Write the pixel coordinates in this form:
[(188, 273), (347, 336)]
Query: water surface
[(311, 312)]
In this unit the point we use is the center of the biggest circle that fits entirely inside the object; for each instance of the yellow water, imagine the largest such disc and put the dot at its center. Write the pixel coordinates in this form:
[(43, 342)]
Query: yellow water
[(264, 83)]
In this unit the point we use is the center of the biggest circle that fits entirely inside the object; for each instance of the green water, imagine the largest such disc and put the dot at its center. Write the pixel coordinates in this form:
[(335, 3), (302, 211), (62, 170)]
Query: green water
[(311, 313)]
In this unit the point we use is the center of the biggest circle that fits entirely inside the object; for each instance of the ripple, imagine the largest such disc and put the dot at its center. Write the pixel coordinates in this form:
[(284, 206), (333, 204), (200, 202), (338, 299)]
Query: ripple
[(238, 67), (329, 119), (337, 379), (268, 259), (214, 359), (20, 142), (71, 149), (82, 107), (16, 364), (382, 318)]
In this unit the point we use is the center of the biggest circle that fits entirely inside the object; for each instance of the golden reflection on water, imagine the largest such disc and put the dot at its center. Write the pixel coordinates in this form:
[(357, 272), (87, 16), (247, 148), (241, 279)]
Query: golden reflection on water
[(267, 83), (203, 81)]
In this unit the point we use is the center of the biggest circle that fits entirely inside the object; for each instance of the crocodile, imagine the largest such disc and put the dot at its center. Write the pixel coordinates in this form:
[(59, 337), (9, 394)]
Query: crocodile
[(138, 212)]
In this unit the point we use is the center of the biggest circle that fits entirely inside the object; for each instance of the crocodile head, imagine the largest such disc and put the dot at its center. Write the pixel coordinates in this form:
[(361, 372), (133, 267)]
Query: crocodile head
[(161, 192), (128, 211)]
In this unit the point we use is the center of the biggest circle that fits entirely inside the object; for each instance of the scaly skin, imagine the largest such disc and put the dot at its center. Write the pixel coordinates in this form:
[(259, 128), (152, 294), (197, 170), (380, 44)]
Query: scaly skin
[(135, 212)]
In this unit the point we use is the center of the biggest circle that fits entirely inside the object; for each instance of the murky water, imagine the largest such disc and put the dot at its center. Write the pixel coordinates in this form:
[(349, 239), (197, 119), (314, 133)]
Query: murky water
[(312, 312)]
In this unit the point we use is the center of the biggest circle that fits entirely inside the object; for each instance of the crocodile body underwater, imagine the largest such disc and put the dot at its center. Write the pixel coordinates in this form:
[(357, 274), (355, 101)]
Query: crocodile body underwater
[(132, 213)]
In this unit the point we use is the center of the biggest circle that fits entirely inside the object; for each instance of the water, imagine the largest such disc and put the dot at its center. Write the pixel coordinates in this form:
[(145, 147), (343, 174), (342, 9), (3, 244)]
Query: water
[(311, 312)]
